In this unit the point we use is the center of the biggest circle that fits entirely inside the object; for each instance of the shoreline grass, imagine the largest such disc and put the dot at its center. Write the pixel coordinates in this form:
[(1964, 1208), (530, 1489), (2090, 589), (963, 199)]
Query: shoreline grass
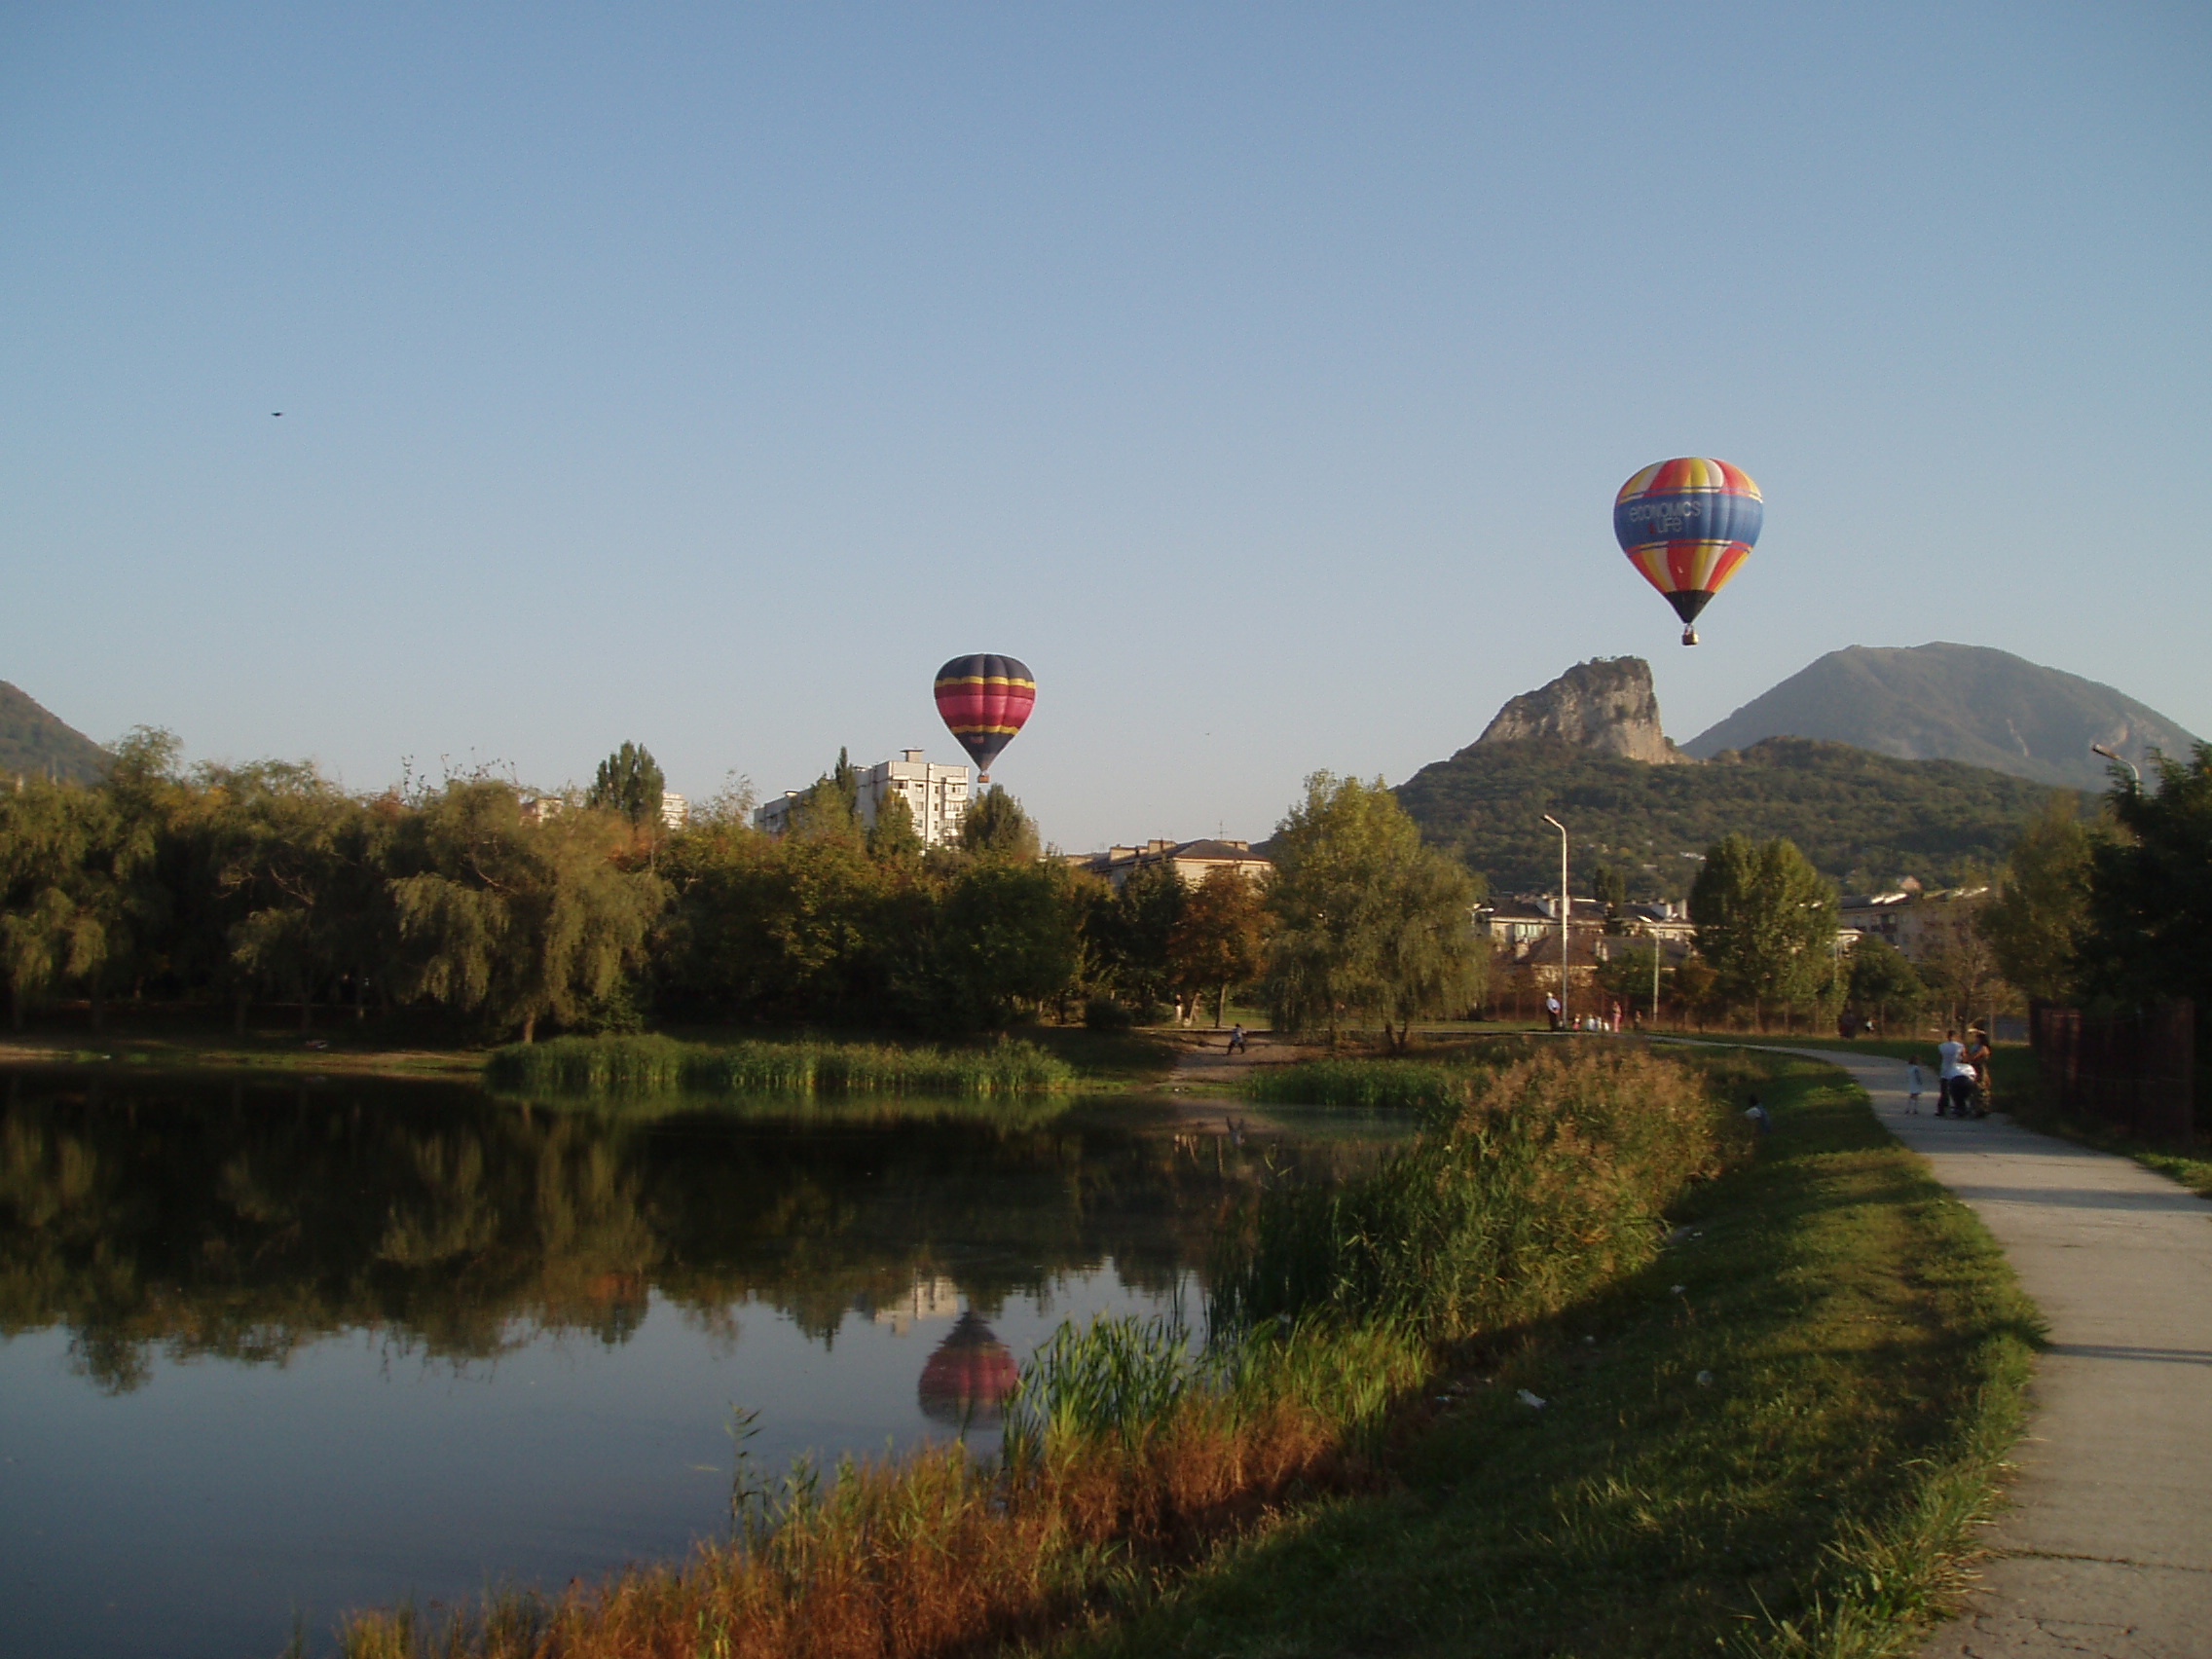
[(654, 1064)]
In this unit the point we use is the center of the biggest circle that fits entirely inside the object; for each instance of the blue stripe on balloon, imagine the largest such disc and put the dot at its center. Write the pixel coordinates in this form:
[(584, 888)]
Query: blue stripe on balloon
[(1689, 515)]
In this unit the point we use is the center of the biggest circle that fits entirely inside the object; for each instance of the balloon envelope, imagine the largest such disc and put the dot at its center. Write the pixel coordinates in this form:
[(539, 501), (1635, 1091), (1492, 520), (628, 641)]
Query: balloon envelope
[(1688, 525), (985, 699)]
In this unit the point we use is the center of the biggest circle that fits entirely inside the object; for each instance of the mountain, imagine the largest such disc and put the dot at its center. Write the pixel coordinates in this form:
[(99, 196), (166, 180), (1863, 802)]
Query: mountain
[(1573, 747), (1606, 706), (1947, 702), (35, 742)]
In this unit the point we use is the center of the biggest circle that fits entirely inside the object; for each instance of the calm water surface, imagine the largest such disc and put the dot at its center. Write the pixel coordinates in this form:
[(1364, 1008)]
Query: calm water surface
[(271, 1352)]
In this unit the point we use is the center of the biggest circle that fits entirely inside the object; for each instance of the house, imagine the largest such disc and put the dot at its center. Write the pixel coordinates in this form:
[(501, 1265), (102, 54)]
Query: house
[(1920, 925), (1191, 861)]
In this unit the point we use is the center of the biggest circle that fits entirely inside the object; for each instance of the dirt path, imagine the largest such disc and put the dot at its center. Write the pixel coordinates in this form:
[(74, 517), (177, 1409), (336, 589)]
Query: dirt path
[(2107, 1549)]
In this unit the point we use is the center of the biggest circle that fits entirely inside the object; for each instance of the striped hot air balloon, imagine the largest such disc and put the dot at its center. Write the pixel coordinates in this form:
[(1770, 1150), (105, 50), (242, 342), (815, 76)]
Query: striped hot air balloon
[(1687, 525), (985, 699)]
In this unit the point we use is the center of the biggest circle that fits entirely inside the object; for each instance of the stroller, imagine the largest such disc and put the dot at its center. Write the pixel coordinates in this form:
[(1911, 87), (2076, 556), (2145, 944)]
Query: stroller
[(1974, 1098)]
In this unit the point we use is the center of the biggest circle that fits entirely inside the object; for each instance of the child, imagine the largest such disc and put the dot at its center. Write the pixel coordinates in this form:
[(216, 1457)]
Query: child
[(1761, 1122), (1915, 1080)]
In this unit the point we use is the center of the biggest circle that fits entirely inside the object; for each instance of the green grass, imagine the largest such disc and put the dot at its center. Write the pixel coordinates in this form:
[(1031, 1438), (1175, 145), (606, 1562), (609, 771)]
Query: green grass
[(2020, 1092), (1866, 1352), (652, 1064)]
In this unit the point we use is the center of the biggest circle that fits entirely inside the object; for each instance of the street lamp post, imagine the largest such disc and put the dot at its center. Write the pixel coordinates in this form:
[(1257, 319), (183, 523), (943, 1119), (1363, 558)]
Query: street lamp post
[(2133, 770), (1566, 910)]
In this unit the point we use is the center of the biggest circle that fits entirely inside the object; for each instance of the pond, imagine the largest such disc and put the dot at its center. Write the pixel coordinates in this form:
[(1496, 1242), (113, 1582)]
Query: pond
[(273, 1351)]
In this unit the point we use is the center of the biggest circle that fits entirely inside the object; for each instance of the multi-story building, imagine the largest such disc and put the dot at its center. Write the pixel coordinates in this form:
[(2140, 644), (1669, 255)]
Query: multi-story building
[(938, 797), (674, 810)]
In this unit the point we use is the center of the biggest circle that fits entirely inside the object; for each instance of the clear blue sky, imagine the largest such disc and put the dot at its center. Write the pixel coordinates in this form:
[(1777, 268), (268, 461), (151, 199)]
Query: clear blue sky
[(1261, 375)]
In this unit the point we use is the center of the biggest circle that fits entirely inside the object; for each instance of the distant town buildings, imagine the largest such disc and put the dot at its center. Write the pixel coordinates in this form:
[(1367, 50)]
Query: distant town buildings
[(938, 797), (1191, 861), (1921, 925), (674, 810)]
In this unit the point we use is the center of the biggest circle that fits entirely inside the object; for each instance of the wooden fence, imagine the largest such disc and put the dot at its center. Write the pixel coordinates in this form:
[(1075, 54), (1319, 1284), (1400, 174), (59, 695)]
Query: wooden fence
[(2134, 1070)]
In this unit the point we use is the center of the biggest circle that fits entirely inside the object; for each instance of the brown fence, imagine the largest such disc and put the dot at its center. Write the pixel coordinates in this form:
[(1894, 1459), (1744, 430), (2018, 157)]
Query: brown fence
[(2134, 1070)]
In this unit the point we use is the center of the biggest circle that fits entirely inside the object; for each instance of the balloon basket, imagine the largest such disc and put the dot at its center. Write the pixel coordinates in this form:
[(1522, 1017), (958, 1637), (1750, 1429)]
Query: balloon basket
[(1689, 636)]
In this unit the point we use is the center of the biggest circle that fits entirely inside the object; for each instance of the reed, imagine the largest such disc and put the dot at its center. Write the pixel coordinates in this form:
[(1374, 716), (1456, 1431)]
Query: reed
[(650, 1064), (1464, 1231)]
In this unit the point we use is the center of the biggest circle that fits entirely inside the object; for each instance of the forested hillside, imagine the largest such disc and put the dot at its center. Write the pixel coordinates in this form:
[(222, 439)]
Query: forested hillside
[(34, 743), (1863, 819)]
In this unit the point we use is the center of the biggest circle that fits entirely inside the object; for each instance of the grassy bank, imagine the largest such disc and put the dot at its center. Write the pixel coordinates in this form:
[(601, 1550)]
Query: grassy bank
[(1772, 1440), (640, 1065), (1767, 1420)]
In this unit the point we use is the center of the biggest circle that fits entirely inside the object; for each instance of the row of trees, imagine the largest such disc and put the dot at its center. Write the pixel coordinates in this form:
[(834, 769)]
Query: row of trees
[(267, 883), (2106, 911)]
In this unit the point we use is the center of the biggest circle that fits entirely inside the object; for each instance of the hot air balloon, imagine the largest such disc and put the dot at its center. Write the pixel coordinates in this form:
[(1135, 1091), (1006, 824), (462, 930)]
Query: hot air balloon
[(1688, 524), (985, 699)]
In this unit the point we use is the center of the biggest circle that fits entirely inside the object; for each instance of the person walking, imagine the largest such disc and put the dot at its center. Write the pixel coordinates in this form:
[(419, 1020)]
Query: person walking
[(1237, 1043), (1551, 1010), (1915, 1082), (1950, 1054)]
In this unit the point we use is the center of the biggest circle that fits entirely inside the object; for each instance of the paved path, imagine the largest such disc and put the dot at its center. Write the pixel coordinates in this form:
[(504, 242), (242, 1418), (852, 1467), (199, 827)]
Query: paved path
[(2107, 1549)]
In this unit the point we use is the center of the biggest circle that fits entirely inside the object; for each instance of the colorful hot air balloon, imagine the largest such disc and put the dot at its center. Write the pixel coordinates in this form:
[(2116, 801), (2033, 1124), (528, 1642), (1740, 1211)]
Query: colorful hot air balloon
[(985, 699), (1687, 525)]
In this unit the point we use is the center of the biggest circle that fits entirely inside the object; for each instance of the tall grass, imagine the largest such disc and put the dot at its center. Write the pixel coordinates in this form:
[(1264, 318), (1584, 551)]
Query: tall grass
[(1128, 1450), (636, 1065), (1397, 1085), (1545, 1179)]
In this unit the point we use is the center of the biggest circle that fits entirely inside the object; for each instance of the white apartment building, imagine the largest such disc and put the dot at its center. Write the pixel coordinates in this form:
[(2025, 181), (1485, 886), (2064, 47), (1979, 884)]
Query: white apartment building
[(937, 796)]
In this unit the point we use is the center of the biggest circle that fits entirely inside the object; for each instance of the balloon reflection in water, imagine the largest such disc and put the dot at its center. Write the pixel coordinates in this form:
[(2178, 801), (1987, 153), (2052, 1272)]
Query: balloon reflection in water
[(968, 1378)]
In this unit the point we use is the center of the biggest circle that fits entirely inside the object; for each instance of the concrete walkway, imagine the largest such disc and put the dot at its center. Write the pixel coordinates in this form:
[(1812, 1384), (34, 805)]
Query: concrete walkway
[(2107, 1549)]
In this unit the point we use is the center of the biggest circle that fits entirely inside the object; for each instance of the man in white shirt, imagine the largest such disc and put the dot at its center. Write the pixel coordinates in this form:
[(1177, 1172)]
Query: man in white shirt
[(1953, 1086)]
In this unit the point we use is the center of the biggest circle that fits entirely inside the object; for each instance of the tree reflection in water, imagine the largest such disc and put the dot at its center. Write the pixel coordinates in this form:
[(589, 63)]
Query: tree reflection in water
[(164, 1216)]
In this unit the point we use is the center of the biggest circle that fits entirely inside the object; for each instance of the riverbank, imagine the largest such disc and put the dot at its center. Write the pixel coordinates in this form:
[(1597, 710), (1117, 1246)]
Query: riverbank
[(1772, 1438), (1775, 1440)]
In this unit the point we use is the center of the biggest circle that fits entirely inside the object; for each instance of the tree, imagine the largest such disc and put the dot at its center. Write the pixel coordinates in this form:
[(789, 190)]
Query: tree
[(1766, 921), (1881, 982), (513, 920), (1367, 919), (893, 838), (995, 827), (2149, 903), (1215, 942), (295, 863), (630, 782), (51, 910), (1136, 928), (1628, 974), (2036, 923), (1005, 937)]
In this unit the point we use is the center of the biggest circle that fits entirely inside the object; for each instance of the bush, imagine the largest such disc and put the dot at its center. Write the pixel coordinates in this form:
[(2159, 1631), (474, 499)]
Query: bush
[(1106, 1014)]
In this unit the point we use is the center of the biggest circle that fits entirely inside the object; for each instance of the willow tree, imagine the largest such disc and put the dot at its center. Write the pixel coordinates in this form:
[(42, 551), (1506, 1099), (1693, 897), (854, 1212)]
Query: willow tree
[(513, 920), (52, 922), (1368, 921)]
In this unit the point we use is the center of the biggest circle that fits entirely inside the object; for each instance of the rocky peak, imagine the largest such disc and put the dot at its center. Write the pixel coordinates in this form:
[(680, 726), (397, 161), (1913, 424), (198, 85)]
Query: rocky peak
[(1605, 704)]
